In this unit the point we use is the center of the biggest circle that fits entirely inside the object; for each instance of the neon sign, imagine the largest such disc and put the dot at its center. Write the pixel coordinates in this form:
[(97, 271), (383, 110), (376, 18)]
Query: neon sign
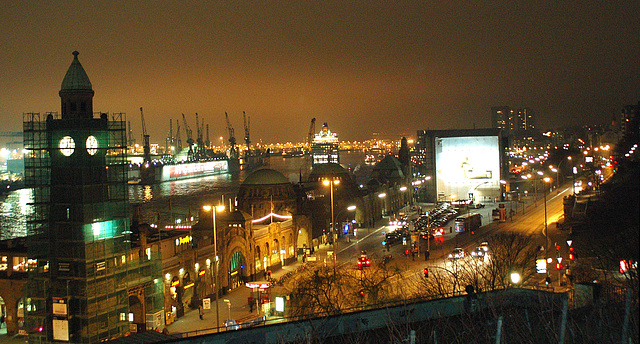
[(253, 285)]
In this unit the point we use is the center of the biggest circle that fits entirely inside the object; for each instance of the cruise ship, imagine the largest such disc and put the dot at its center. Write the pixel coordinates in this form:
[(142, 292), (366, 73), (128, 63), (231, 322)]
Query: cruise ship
[(324, 147)]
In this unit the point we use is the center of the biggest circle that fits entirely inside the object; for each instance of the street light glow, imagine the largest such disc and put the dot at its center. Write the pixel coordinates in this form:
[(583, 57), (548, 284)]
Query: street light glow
[(515, 278)]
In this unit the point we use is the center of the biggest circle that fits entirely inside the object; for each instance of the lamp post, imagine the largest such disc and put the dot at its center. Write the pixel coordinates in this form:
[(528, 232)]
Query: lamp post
[(332, 182), (546, 233), (343, 211), (382, 196), (215, 253), (573, 176)]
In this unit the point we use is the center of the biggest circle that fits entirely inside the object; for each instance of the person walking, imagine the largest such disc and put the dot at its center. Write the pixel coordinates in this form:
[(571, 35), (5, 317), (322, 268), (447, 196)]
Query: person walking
[(251, 303), (201, 311)]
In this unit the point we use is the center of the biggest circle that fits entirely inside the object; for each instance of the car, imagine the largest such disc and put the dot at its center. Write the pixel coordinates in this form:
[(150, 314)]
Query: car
[(231, 324), (457, 253), (485, 246), (479, 252), (363, 262), (392, 237)]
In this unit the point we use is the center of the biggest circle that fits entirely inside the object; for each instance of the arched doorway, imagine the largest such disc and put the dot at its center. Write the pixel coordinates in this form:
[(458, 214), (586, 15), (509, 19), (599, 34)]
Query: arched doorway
[(258, 259), (236, 270)]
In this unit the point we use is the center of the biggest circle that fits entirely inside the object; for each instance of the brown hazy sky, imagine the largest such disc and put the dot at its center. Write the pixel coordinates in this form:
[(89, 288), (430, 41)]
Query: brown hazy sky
[(390, 67)]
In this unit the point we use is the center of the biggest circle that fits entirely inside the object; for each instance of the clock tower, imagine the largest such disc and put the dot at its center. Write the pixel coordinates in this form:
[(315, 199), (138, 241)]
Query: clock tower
[(78, 231)]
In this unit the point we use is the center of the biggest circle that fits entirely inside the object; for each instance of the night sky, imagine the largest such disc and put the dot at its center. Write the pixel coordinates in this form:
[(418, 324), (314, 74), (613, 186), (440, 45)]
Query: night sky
[(388, 67)]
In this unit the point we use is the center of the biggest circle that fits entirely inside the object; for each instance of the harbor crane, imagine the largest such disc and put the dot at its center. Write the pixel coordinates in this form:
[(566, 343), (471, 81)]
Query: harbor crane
[(190, 141), (199, 141), (232, 138), (312, 129), (178, 139), (145, 139), (247, 140), (247, 122)]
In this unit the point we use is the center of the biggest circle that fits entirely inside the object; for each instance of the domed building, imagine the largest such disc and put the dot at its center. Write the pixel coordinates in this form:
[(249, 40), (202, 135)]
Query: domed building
[(262, 233), (345, 194), (388, 180), (266, 191), (387, 171)]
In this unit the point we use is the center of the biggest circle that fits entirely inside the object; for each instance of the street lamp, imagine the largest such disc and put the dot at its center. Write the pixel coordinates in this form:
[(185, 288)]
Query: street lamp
[(546, 232), (515, 278), (332, 182), (349, 208), (573, 176), (556, 171), (382, 196), (213, 211)]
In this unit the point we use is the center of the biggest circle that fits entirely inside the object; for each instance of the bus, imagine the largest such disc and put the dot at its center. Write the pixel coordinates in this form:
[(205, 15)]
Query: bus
[(468, 222)]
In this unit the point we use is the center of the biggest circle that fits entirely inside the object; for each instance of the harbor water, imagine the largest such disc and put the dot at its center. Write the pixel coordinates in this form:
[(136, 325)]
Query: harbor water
[(178, 201)]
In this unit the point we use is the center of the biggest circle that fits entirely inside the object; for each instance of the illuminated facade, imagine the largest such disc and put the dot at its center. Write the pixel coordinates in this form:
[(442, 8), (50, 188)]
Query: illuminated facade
[(462, 164), (324, 147), (83, 283)]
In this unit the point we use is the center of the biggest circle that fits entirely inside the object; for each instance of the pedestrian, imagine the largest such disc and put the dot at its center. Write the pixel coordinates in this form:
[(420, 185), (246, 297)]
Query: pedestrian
[(1, 320), (265, 274), (269, 274), (200, 312), (251, 303)]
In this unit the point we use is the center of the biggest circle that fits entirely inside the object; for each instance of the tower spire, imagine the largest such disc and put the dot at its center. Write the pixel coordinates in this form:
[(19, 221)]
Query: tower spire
[(76, 93)]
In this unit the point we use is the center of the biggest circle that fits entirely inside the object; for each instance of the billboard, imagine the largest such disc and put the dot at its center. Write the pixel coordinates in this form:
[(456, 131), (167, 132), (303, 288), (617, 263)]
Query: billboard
[(468, 167)]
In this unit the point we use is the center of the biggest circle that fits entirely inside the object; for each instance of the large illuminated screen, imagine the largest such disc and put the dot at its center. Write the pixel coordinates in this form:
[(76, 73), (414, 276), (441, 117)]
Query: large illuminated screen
[(468, 167)]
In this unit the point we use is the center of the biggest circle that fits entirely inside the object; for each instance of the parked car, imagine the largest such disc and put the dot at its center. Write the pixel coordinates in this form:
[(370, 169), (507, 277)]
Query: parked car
[(457, 253)]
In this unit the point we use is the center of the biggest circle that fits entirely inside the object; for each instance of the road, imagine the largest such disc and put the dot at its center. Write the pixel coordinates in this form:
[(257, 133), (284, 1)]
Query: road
[(529, 220)]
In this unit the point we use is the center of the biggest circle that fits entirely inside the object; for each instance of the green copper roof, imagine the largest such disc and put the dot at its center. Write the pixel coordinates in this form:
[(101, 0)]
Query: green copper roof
[(265, 176), (76, 78)]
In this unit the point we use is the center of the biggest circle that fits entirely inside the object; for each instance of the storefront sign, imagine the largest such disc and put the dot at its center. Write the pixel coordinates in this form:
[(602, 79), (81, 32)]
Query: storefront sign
[(183, 240), (253, 285)]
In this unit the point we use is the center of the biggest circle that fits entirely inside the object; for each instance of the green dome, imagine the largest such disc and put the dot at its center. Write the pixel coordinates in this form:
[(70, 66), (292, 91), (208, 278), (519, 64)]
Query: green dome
[(328, 169), (76, 78), (265, 176)]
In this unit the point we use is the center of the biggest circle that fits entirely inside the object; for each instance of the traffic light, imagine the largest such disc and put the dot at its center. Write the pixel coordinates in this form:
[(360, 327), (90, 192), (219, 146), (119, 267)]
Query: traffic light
[(361, 293), (558, 266), (547, 280), (426, 272), (571, 256), (557, 247)]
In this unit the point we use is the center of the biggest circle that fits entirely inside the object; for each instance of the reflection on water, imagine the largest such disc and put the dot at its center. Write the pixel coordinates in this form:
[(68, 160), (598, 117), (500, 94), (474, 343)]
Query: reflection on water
[(13, 213), (170, 202)]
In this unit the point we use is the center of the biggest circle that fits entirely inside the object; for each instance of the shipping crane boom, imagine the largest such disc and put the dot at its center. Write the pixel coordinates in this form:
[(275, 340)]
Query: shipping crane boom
[(247, 121), (190, 141), (312, 129), (145, 139), (232, 137)]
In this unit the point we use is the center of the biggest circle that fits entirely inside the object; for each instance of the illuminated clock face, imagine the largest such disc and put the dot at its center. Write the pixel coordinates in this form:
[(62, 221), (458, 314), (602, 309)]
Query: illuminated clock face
[(92, 145), (67, 145)]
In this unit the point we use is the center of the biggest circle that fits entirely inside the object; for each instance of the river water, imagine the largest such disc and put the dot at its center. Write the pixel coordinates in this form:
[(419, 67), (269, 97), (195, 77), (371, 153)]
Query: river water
[(176, 201)]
